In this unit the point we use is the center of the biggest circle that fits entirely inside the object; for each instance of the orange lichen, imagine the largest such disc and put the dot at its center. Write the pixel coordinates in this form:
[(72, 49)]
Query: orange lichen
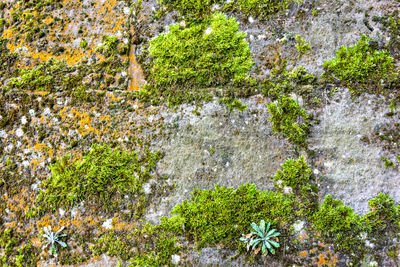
[(303, 253), (326, 259)]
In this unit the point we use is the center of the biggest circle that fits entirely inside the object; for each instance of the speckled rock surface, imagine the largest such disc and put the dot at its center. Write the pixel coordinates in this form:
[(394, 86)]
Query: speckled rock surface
[(202, 146)]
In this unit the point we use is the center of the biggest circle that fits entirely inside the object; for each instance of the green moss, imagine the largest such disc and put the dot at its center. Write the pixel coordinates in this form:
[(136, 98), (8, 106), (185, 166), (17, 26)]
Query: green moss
[(192, 10), (110, 46), (383, 217), (223, 214), (361, 64), (282, 81), (302, 46), (47, 76), (289, 118), (147, 245), (388, 163), (103, 177), (83, 44), (15, 251), (233, 104), (263, 8), (338, 224), (7, 60), (199, 56), (195, 10), (297, 175)]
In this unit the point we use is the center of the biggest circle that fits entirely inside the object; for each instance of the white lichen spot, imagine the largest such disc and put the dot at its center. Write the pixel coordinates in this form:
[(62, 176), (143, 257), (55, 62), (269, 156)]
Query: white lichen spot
[(182, 23), (3, 134), (287, 190), (298, 226), (169, 182), (23, 120), (261, 36), (215, 7), (208, 31), (31, 112), (74, 211), (175, 259), (147, 188), (46, 111), (19, 132), (107, 224), (61, 211), (316, 171), (251, 20), (25, 163), (35, 186), (127, 11)]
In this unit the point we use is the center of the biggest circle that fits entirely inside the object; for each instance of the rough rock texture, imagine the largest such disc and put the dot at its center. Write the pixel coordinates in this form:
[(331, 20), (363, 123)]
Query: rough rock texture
[(202, 146), (217, 147), (352, 170)]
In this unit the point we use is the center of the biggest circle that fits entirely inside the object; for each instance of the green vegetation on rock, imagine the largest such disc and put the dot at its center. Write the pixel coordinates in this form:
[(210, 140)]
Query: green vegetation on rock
[(297, 175), (212, 53), (111, 46), (7, 59), (147, 245), (104, 177), (263, 8), (223, 214), (15, 251), (361, 65), (195, 10), (289, 118), (192, 10), (338, 223)]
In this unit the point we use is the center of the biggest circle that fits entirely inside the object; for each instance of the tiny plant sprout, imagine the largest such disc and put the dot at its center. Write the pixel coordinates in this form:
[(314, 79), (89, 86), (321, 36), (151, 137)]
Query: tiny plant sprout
[(261, 238), (52, 239)]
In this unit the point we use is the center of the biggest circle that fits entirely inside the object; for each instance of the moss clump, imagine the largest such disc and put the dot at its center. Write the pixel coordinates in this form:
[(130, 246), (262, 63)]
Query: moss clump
[(282, 81), (104, 177), (147, 245), (338, 223), (233, 104), (15, 251), (196, 10), (263, 8), (110, 47), (47, 76), (192, 10), (361, 64), (296, 174), (384, 216), (7, 60), (302, 46), (289, 118), (201, 55), (223, 214)]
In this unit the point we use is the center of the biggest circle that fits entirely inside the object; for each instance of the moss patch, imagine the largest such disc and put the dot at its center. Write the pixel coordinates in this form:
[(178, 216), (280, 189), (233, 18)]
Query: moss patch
[(223, 214), (290, 119), (361, 65), (201, 55), (103, 177)]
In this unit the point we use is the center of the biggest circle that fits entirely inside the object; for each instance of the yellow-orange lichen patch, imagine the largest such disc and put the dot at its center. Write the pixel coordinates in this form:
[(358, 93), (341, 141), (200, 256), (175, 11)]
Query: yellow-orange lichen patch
[(44, 222), (136, 75), (36, 242), (326, 259), (303, 253), (35, 163)]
